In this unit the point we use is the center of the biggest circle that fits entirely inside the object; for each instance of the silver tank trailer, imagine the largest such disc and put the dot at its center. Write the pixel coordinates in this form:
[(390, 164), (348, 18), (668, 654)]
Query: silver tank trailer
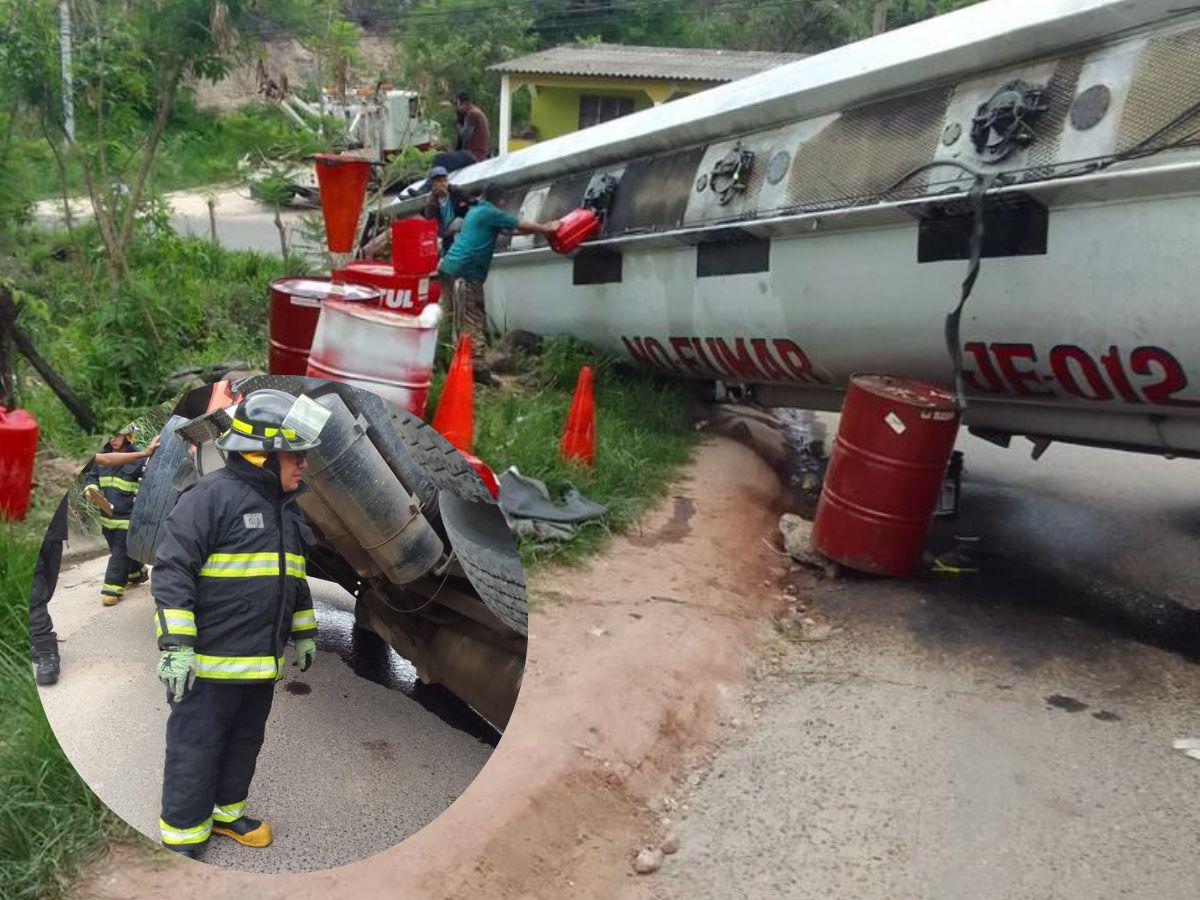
[(841, 247)]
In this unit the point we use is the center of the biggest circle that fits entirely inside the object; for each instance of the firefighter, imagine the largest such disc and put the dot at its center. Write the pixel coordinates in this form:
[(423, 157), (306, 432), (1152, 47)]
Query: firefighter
[(43, 642), (112, 484), (229, 588)]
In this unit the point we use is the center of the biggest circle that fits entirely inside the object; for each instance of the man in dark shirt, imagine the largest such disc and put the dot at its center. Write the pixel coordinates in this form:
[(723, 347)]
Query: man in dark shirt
[(447, 205), (473, 132)]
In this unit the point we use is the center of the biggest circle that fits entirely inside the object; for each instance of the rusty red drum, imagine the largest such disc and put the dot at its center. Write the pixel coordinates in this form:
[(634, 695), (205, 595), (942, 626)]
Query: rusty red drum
[(400, 293), (389, 354), (885, 474), (295, 307), (18, 444)]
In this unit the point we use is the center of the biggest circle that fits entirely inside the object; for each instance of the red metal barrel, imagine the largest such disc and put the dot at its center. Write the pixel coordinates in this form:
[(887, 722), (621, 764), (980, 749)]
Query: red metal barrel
[(414, 246), (398, 293), (295, 307), (18, 443), (885, 473)]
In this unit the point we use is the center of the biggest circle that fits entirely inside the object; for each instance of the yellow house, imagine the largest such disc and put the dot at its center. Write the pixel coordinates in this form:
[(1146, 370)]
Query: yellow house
[(574, 86)]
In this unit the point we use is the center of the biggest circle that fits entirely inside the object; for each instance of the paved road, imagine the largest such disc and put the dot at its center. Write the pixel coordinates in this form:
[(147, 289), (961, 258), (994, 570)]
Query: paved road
[(242, 223), (964, 738), (349, 767)]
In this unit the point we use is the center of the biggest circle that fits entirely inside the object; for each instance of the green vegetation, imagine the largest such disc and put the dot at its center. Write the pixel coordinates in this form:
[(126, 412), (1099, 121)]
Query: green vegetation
[(645, 434), (49, 819), (186, 302), (198, 148)]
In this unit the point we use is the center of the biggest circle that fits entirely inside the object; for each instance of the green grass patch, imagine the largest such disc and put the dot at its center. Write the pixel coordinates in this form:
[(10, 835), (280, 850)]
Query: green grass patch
[(50, 821), (645, 431), (198, 148), (207, 305)]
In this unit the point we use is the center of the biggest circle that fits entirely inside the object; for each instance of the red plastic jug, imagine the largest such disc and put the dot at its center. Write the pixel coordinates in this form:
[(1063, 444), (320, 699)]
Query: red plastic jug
[(18, 443), (573, 229)]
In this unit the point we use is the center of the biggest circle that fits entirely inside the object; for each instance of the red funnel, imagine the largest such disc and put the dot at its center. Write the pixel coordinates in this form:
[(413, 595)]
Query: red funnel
[(343, 184)]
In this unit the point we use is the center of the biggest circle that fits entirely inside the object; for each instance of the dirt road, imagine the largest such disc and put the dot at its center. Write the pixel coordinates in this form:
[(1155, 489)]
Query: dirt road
[(634, 661), (341, 750)]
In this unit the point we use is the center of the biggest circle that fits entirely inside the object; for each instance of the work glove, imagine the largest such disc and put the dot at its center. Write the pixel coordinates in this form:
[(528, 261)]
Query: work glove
[(306, 652), (177, 670)]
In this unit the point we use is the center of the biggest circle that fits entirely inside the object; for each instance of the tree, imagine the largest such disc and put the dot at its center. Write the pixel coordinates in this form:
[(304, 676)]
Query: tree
[(130, 62), (448, 44)]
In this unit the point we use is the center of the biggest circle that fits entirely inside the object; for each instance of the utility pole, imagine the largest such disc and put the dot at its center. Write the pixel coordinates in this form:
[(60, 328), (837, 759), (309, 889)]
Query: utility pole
[(880, 24), (64, 43)]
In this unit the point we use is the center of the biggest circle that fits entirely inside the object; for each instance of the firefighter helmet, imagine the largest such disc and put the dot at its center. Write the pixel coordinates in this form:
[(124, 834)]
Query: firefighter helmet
[(260, 425)]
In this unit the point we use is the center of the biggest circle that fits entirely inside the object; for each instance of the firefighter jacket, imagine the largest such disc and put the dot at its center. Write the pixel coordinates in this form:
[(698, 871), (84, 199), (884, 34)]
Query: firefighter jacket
[(118, 484), (229, 574)]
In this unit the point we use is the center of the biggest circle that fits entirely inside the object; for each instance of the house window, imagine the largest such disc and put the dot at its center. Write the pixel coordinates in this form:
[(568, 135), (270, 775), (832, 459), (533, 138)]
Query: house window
[(593, 110)]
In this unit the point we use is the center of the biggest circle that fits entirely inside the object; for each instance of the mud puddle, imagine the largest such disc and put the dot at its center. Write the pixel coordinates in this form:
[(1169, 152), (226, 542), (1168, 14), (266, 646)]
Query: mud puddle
[(372, 658)]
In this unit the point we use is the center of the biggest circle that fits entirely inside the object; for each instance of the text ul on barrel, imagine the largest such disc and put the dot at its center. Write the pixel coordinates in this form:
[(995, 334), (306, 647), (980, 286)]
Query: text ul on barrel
[(295, 308), (885, 473)]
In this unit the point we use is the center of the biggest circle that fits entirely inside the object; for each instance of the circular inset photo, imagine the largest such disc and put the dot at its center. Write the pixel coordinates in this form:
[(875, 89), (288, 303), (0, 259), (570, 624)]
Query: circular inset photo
[(298, 630)]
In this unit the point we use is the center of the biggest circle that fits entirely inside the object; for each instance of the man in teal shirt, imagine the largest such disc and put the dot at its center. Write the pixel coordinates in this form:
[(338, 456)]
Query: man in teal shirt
[(464, 268)]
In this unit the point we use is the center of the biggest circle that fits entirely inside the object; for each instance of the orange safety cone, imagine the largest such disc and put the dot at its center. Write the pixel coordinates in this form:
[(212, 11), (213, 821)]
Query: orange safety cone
[(455, 416), (578, 442), (342, 181)]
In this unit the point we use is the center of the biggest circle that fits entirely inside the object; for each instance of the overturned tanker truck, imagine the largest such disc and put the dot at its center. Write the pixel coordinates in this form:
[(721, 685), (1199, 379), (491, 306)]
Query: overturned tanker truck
[(781, 232), (400, 520)]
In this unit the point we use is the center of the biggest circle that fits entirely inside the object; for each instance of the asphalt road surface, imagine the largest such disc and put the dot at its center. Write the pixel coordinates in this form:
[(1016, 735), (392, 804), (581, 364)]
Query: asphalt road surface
[(242, 223), (349, 767), (1005, 735)]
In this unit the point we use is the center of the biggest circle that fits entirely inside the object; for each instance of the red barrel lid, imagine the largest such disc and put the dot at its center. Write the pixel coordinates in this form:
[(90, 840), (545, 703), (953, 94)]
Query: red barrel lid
[(904, 390), (323, 289)]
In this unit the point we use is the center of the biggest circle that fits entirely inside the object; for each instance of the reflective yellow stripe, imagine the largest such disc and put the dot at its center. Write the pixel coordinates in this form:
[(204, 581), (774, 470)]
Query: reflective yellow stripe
[(113, 589), (195, 835), (114, 524), (179, 621), (112, 481), (251, 565), (303, 620), (247, 428), (229, 812), (235, 667)]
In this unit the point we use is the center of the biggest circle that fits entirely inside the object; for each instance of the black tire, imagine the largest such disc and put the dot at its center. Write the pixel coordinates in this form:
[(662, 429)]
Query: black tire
[(156, 494), (440, 460), (488, 554)]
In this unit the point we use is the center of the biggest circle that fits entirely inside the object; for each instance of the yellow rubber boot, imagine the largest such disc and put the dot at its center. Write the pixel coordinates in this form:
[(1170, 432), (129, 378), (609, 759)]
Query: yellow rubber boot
[(246, 831)]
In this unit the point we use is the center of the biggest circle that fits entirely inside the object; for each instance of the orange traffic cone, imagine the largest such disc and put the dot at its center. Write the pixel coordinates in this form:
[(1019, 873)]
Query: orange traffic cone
[(578, 442), (455, 416)]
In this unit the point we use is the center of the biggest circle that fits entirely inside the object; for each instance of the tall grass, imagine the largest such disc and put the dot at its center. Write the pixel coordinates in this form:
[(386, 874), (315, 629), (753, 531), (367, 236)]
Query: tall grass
[(645, 434), (49, 818), (207, 305)]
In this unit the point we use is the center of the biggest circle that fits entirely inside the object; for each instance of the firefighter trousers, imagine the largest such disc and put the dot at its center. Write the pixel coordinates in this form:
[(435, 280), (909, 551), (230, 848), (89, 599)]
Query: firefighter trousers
[(213, 737), (120, 567), (42, 638)]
